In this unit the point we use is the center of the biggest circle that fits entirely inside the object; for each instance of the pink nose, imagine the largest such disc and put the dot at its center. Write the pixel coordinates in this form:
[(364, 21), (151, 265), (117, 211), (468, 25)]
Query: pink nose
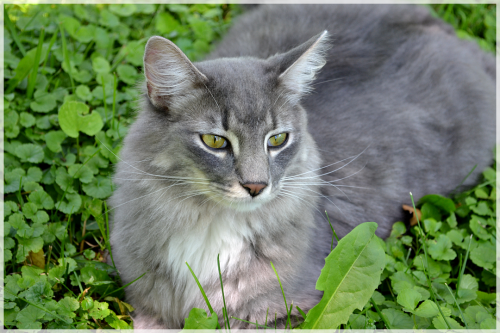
[(254, 189)]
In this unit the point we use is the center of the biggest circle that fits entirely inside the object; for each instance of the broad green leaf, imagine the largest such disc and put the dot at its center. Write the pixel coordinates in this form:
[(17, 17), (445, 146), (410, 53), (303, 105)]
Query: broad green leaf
[(41, 199), (398, 319), (87, 303), (429, 211), (74, 118), (166, 23), (116, 322), (40, 217), (69, 264), (11, 288), (83, 92), (28, 318), (445, 204), (427, 309), (108, 19), (53, 139), (100, 187), (17, 222), (82, 172), (478, 225), (99, 310), (100, 65), (440, 248), (85, 34), (29, 210), (351, 274), (135, 53), (26, 119), (469, 282), (43, 122), (13, 179), (64, 180), (29, 152), (201, 28), (67, 306), (481, 209), (34, 174), (39, 292), (31, 186), (409, 299), (9, 207), (398, 229), (440, 323), (198, 319), (26, 246), (70, 24), (452, 220), (483, 297), (43, 102), (127, 74), (71, 203), (123, 10)]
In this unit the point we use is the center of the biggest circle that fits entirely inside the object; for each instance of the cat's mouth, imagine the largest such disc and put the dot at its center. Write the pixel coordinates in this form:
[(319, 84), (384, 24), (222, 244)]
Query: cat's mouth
[(242, 198)]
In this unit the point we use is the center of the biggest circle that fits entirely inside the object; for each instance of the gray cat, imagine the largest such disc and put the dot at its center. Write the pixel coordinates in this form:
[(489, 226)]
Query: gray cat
[(240, 155)]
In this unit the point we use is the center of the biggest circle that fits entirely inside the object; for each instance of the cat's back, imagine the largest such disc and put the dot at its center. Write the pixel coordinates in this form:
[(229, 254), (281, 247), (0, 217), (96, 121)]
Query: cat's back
[(398, 82)]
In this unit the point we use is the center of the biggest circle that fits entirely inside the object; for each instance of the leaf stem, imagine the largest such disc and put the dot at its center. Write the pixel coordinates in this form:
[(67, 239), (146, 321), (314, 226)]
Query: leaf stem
[(380, 313)]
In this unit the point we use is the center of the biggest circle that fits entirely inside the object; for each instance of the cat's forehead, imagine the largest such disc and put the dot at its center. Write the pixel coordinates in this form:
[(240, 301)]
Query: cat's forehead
[(245, 91)]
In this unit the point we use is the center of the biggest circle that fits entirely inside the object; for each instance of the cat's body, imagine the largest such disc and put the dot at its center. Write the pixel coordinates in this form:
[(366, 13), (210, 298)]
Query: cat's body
[(401, 105)]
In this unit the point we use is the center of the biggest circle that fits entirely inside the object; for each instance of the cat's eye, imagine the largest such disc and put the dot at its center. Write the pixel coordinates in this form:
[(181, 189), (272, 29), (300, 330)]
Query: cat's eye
[(277, 140), (214, 141)]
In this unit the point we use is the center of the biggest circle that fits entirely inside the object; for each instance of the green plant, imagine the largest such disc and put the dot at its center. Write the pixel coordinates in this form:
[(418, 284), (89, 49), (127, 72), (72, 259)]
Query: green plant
[(70, 75)]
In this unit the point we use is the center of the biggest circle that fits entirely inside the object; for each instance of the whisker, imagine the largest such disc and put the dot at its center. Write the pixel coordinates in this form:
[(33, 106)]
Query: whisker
[(326, 166), (324, 174), (339, 78)]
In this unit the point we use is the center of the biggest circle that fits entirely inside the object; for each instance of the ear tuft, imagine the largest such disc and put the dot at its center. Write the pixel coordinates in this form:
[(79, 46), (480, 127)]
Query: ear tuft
[(306, 60), (168, 72)]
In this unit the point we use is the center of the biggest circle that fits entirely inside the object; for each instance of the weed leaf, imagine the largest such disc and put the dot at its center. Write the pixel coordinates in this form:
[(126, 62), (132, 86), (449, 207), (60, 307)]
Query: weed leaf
[(351, 274)]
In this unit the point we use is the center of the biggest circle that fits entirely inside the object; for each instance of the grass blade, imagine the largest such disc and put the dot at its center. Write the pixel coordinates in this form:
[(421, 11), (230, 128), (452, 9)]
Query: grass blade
[(458, 306), (334, 233), (380, 314), (286, 305), (463, 266), (65, 56), (13, 32), (107, 241), (34, 70), (202, 292), (123, 287), (222, 288)]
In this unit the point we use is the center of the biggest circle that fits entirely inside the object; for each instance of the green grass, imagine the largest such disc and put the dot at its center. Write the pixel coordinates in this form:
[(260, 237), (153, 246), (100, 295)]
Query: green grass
[(66, 60)]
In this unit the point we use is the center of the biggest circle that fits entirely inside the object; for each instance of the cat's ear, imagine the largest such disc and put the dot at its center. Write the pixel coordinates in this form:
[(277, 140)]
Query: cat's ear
[(169, 73), (299, 66)]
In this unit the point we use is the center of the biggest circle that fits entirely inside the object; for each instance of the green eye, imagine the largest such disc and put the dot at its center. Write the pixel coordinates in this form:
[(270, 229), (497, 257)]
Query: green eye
[(277, 140), (214, 141)]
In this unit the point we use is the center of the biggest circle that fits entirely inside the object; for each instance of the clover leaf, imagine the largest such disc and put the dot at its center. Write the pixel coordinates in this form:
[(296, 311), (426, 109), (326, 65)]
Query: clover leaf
[(29, 152), (74, 118)]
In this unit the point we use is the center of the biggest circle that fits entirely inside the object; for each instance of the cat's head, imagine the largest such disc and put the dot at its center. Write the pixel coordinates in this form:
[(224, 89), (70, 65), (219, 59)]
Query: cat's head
[(235, 126)]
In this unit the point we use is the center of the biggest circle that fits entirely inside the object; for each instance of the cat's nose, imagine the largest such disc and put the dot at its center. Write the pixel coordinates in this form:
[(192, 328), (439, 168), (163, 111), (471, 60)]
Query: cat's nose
[(254, 189)]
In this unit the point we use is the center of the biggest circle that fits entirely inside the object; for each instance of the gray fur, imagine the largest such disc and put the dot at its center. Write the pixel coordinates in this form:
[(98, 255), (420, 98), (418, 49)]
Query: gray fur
[(401, 105)]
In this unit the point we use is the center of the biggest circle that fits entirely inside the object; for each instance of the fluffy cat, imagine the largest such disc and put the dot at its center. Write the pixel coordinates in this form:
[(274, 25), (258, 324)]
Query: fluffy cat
[(241, 154)]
